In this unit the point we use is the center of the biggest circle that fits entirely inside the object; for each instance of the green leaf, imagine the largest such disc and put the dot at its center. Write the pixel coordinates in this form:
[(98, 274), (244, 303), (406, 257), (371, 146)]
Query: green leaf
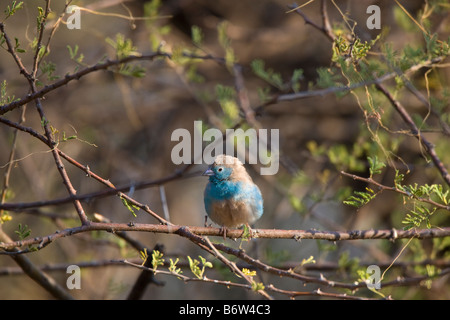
[(194, 266), (17, 46), (268, 75), (256, 286), (40, 18), (225, 43), (132, 71), (74, 53), (205, 263), (48, 68), (360, 198), (398, 179), (420, 214), (157, 259), (173, 266), (143, 255), (327, 78), (123, 46), (197, 36), (226, 98), (375, 165), (130, 206), (23, 231), (307, 261), (295, 79), (10, 10), (4, 98)]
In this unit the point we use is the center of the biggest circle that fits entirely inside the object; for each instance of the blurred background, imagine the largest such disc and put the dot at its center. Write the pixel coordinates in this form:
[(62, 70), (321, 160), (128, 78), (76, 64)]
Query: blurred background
[(123, 128)]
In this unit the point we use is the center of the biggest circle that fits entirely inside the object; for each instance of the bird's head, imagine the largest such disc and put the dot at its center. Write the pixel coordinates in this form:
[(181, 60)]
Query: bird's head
[(225, 168)]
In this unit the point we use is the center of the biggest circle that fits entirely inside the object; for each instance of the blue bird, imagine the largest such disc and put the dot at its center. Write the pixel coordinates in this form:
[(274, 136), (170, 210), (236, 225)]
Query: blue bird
[(231, 198)]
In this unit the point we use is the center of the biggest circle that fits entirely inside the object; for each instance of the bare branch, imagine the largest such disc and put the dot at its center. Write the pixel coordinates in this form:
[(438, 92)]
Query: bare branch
[(325, 29), (389, 234)]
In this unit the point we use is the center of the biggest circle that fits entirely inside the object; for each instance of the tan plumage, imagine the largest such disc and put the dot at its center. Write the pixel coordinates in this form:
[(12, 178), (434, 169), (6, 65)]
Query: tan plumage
[(231, 197)]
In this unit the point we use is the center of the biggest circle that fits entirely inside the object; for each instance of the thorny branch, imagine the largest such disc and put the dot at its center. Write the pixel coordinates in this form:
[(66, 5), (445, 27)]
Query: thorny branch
[(298, 235), (428, 146), (47, 282)]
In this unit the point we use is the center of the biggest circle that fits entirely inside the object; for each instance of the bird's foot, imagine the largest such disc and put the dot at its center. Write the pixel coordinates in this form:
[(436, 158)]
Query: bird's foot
[(247, 233), (223, 230), (206, 221)]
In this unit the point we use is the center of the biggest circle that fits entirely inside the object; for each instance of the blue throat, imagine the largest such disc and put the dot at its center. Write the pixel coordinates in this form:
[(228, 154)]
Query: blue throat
[(224, 189)]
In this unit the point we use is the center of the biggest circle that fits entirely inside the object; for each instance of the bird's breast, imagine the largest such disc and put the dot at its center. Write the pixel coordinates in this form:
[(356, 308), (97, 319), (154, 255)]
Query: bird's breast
[(233, 204), (230, 213)]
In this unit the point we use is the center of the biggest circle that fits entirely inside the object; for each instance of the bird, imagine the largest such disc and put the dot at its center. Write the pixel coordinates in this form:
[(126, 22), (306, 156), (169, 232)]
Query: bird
[(231, 197)]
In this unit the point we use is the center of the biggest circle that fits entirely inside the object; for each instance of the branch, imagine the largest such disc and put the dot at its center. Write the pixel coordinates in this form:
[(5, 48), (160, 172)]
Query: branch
[(298, 235), (193, 234), (27, 266), (76, 76), (112, 191), (13, 53), (119, 191), (271, 287), (324, 266), (429, 148), (32, 271), (235, 269), (41, 28), (316, 293), (185, 278), (393, 189), (144, 279), (325, 29), (344, 88), (48, 132)]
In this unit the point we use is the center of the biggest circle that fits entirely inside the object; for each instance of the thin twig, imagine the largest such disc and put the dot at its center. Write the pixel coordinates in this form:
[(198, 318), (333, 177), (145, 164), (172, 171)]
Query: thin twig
[(271, 287), (48, 132), (112, 191), (393, 189), (37, 55), (235, 269), (428, 146), (45, 281), (325, 29), (36, 274), (75, 76), (325, 266), (316, 293), (186, 278), (145, 278)]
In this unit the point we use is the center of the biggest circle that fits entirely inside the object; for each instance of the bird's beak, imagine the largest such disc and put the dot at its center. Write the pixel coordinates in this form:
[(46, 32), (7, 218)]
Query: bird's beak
[(208, 172)]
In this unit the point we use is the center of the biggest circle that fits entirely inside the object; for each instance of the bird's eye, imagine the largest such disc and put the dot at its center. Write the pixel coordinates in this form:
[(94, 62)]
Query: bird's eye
[(220, 169)]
